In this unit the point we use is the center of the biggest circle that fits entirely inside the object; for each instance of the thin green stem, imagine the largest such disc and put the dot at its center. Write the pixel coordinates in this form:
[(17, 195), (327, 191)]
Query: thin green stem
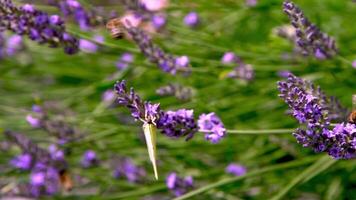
[(227, 181), (260, 132)]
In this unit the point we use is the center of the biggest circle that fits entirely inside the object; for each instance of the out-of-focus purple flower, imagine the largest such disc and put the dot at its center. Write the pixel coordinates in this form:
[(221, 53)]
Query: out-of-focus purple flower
[(126, 168), (34, 122), (251, 2), (309, 38), (124, 61), (236, 169), (229, 57), (56, 153), (178, 185), (177, 124), (191, 19), (182, 61), (283, 73), (44, 180), (89, 159), (310, 106), (143, 111), (242, 71), (354, 64), (212, 126), (156, 55), (99, 39), (87, 46), (108, 96), (179, 91), (37, 108), (154, 5), (158, 21), (22, 161), (26, 20), (14, 44)]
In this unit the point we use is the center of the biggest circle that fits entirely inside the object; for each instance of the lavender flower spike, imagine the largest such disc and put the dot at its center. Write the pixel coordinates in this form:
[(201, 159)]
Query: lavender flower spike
[(179, 185), (308, 37), (37, 25), (168, 63), (310, 106)]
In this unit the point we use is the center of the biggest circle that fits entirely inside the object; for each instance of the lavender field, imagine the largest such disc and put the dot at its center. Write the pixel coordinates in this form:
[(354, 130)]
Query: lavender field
[(177, 99)]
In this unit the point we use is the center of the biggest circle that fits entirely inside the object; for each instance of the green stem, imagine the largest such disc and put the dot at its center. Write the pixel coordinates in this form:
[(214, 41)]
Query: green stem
[(227, 181), (140, 192), (260, 132)]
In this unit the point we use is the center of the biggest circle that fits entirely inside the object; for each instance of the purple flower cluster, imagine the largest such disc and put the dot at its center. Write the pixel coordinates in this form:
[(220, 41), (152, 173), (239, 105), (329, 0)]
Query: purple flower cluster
[(212, 126), (143, 111), (89, 159), (38, 25), (167, 62), (178, 185), (242, 71), (310, 106), (46, 166), (191, 19), (236, 169), (57, 128), (178, 123), (9, 46), (308, 37), (180, 92), (124, 167), (124, 61), (173, 124)]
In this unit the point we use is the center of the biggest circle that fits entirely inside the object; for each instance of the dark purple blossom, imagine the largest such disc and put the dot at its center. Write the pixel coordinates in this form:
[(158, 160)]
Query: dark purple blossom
[(124, 167), (310, 106), (177, 124), (241, 71), (177, 185), (38, 25), (89, 159), (309, 38), (143, 111), (22, 161), (191, 19), (167, 62), (212, 126), (158, 21), (236, 169), (44, 180)]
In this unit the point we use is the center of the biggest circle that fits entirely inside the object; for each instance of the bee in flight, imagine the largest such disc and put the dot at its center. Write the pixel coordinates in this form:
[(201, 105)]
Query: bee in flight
[(352, 117), (116, 28)]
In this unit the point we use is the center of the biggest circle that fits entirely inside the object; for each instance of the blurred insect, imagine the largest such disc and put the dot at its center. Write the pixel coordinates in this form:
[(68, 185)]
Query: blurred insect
[(66, 180), (116, 28), (352, 117)]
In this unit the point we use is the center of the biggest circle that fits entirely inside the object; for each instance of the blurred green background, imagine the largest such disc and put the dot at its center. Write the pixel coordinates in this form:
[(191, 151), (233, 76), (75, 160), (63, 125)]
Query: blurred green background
[(41, 74)]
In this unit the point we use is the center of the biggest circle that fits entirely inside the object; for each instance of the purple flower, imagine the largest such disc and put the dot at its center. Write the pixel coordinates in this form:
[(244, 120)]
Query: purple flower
[(212, 126), (108, 96), (22, 161), (87, 46), (242, 71), (27, 20), (182, 61), (158, 21), (229, 57), (236, 169), (125, 167), (191, 19), (44, 180), (283, 73), (124, 61), (354, 64), (179, 185), (177, 124), (143, 111), (89, 159), (310, 106), (309, 38), (251, 2), (155, 54), (34, 122), (14, 44), (343, 138), (99, 39)]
